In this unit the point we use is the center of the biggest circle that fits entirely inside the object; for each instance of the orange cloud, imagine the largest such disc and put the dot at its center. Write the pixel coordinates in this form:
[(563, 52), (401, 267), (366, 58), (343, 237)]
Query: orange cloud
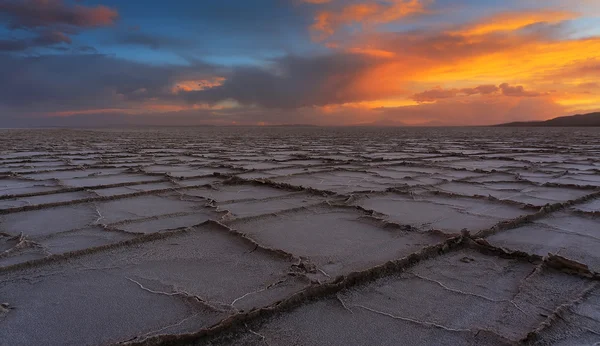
[(505, 62), (504, 89), (96, 16), (326, 22), (510, 21), (372, 52), (197, 85)]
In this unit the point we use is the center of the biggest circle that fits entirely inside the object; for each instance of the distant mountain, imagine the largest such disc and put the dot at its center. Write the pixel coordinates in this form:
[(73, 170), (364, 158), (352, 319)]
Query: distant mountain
[(590, 119)]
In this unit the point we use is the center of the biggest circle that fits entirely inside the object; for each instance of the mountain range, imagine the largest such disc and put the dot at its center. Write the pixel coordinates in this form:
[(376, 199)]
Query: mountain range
[(589, 119)]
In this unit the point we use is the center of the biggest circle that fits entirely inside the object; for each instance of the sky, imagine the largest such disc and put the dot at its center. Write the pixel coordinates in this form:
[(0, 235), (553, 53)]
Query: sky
[(322, 62)]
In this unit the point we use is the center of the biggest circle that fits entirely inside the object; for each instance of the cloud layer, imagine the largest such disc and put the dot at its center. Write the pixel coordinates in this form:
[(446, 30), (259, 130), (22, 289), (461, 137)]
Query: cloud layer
[(353, 62), (50, 22)]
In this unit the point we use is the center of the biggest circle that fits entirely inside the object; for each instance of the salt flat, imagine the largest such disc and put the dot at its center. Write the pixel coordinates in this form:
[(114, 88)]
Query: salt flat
[(302, 236)]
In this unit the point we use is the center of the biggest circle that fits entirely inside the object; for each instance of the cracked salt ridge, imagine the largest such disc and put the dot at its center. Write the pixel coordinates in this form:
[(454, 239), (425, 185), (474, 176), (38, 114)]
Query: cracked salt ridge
[(282, 172), (578, 323), (432, 212), (546, 158), (236, 192), (576, 237), (109, 180), (134, 216), (187, 171), (516, 192), (252, 165), (588, 207), (43, 222), (488, 165), (165, 222), (274, 205), (337, 240), (132, 208), (460, 298), (143, 288), (84, 173), (9, 187), (44, 199), (578, 166), (126, 190), (61, 243), (339, 181), (578, 180)]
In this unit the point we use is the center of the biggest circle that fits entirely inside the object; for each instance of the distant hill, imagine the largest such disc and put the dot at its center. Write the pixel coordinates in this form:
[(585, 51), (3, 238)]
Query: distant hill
[(590, 119)]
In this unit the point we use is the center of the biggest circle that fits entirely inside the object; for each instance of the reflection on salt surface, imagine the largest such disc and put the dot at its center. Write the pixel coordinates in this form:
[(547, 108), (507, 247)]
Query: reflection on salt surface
[(345, 234)]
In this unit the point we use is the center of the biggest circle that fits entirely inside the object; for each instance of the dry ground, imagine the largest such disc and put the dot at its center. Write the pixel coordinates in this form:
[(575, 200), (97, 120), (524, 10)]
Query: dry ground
[(300, 236)]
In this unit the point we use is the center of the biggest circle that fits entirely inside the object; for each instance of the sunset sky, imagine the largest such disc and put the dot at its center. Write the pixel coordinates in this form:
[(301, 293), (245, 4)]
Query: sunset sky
[(325, 62)]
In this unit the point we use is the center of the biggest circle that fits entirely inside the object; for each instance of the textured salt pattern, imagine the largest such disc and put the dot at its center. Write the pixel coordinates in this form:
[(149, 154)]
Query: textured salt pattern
[(300, 236)]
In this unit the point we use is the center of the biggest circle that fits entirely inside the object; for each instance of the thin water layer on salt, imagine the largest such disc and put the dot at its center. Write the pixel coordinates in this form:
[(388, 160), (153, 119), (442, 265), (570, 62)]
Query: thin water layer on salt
[(338, 241), (571, 236), (451, 215)]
